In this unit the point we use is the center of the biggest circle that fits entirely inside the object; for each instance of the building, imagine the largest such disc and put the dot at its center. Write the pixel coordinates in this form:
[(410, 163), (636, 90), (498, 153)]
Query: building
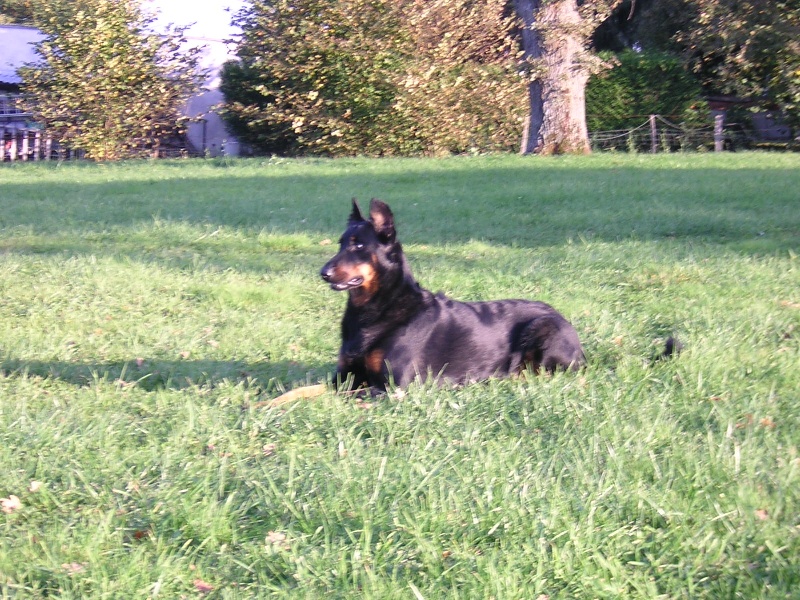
[(16, 49), (207, 132), (207, 135), (20, 138)]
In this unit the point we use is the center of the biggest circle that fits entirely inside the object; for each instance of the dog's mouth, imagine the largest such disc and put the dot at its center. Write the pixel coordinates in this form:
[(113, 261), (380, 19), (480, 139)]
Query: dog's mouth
[(347, 285)]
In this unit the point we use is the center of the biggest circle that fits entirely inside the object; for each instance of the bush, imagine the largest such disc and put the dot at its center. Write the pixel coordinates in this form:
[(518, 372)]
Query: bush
[(642, 84), (375, 77)]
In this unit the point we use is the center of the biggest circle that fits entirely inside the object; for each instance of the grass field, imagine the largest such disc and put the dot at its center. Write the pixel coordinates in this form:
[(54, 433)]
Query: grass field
[(145, 308)]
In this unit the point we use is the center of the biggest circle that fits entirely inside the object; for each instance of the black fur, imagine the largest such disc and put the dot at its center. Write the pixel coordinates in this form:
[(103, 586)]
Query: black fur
[(395, 330), (672, 347)]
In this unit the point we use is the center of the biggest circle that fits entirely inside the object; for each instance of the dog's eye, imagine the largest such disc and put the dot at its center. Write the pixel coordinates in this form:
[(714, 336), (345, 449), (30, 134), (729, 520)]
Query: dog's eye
[(358, 246)]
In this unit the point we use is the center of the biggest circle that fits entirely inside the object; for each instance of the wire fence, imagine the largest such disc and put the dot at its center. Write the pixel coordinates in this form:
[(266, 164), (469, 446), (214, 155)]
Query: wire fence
[(658, 134), (654, 135)]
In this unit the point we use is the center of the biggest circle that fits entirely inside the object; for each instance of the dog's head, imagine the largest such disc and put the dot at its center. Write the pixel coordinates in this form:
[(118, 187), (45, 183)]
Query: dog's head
[(363, 255)]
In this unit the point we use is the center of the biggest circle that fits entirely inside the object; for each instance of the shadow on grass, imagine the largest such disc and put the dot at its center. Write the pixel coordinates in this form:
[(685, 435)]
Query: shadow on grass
[(751, 209), (155, 374)]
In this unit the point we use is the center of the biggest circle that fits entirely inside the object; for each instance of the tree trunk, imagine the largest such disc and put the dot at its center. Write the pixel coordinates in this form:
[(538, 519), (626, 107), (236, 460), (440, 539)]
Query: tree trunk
[(552, 40)]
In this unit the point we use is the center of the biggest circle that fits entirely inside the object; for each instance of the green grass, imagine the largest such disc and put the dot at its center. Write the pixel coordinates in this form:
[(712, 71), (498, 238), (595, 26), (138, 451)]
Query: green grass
[(146, 307)]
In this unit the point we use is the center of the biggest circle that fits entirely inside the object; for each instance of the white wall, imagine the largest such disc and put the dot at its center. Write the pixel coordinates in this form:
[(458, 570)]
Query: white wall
[(209, 136)]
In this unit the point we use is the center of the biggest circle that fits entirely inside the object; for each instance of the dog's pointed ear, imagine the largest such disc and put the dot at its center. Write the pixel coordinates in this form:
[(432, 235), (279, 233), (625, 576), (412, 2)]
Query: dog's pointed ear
[(382, 219), (355, 216)]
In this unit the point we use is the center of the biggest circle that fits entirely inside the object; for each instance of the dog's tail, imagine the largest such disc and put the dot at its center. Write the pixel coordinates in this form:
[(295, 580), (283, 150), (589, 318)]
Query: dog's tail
[(672, 347), (301, 393)]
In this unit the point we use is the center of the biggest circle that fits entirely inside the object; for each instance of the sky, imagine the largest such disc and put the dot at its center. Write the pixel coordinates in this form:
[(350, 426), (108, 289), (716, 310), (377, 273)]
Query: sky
[(208, 18), (209, 24)]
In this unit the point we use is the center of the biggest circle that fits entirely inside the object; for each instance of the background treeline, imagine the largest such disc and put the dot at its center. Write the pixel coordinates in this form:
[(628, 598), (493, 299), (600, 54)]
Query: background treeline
[(443, 76), (376, 77), (405, 77)]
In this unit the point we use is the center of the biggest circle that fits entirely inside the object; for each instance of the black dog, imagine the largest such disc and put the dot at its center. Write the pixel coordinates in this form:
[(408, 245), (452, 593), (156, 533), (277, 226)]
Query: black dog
[(393, 330)]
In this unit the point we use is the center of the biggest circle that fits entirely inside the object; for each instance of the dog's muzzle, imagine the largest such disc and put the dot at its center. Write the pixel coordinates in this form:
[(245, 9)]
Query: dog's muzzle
[(328, 273)]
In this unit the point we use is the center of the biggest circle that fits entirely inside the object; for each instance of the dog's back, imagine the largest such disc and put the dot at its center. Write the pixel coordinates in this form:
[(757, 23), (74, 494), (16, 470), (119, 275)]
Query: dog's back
[(463, 342), (395, 330)]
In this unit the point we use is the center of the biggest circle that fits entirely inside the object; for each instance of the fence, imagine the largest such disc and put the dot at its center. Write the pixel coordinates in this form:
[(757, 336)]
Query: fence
[(658, 134), (21, 143), (24, 143)]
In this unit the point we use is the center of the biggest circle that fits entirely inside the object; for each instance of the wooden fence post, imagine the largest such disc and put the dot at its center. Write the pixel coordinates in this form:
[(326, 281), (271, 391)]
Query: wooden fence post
[(26, 134), (653, 135), (719, 124), (13, 143)]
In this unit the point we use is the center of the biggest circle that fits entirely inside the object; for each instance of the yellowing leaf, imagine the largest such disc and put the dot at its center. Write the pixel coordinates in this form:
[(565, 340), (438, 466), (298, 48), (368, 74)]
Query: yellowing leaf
[(268, 449), (203, 587), (10, 504), (74, 567), (277, 540)]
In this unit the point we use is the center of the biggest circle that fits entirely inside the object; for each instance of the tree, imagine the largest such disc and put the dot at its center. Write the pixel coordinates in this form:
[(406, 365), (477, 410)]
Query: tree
[(436, 76), (461, 89), (413, 76), (247, 110), (747, 47), (555, 38), (106, 83), (18, 11), (313, 75), (375, 77)]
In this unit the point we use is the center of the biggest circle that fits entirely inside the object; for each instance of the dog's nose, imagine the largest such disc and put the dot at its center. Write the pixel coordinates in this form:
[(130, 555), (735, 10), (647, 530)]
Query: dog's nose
[(326, 272)]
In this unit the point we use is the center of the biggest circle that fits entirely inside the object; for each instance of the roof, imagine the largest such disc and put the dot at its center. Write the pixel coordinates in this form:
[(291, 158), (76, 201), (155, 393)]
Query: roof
[(16, 49)]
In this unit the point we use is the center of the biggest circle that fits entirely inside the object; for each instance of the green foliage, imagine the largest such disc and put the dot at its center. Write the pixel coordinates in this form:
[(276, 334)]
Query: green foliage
[(249, 103), (462, 89), (374, 77), (17, 11), (642, 84), (107, 84), (313, 75), (142, 319), (744, 48), (749, 48)]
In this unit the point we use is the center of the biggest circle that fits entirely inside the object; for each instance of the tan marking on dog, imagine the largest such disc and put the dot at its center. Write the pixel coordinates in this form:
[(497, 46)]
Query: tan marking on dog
[(374, 360), (362, 294), (342, 274)]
